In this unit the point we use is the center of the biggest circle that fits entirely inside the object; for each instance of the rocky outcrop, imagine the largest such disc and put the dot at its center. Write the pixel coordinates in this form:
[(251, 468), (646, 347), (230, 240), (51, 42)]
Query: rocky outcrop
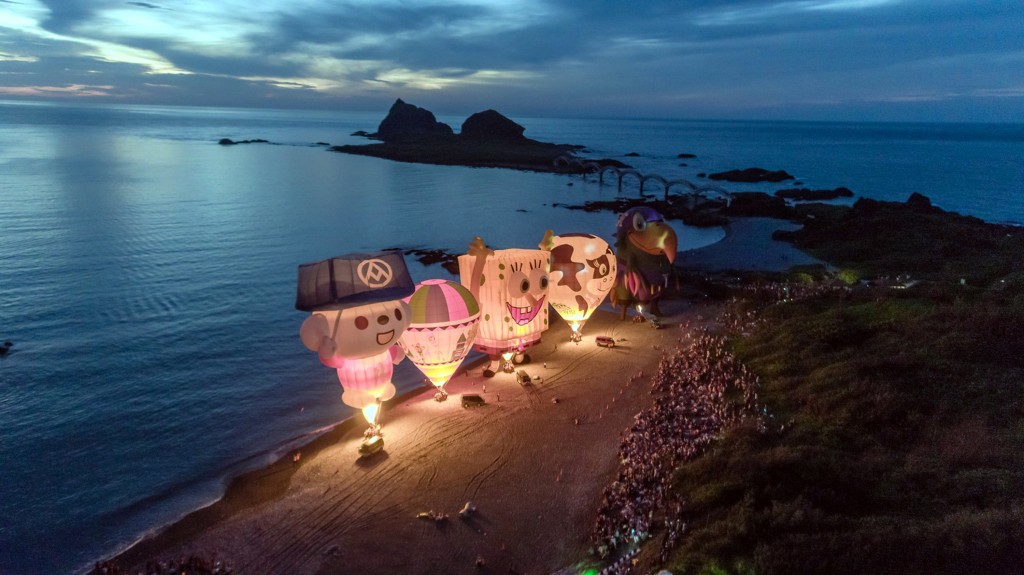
[(752, 176), (488, 139), (230, 142), (919, 202), (406, 122), (490, 125), (753, 204), (804, 194)]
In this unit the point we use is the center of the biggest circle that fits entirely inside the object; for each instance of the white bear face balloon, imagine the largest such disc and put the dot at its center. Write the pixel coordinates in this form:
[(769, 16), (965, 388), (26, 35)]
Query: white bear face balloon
[(357, 318), (356, 332)]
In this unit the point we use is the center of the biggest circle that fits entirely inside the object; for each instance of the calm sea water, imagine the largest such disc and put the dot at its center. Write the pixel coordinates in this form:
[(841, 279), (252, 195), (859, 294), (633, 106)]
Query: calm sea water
[(147, 277)]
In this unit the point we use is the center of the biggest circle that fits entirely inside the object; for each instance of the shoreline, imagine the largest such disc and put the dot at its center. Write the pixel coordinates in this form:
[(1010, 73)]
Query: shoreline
[(270, 482), (748, 246), (248, 488), (520, 451)]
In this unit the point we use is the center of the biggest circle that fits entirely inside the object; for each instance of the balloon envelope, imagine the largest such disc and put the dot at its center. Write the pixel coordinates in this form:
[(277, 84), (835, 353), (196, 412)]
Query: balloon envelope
[(512, 294), (582, 273), (367, 380), (352, 280), (444, 322), (645, 249), (360, 343)]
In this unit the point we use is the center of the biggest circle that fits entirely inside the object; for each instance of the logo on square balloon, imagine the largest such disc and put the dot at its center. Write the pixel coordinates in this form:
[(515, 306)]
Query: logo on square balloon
[(374, 273)]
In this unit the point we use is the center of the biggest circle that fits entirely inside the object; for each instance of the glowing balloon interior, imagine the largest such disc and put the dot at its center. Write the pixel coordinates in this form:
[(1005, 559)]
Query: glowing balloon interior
[(356, 322), (512, 289), (645, 249), (583, 270), (359, 343), (444, 321)]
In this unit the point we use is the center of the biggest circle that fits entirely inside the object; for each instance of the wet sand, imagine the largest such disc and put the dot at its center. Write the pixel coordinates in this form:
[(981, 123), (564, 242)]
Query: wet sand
[(534, 461)]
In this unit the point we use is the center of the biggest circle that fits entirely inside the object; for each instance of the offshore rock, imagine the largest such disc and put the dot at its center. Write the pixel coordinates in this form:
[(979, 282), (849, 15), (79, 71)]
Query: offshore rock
[(412, 134), (491, 125), (406, 122), (805, 194), (230, 142), (750, 204), (752, 175)]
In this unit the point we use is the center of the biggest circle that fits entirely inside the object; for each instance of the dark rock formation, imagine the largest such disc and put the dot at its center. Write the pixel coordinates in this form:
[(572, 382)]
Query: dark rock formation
[(919, 202), (632, 155), (488, 139), (406, 122), (677, 207), (685, 156), (612, 162), (429, 256), (230, 142), (757, 204), (752, 175), (804, 194), (490, 125)]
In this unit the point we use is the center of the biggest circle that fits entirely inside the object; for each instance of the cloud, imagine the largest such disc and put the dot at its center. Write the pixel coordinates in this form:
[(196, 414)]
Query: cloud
[(8, 57), (73, 90), (601, 57)]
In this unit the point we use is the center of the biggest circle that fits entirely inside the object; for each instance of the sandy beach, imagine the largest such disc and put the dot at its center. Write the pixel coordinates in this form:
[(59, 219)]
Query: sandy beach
[(533, 460)]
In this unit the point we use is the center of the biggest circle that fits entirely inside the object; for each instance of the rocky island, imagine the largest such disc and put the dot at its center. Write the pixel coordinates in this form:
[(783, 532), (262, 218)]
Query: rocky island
[(487, 139)]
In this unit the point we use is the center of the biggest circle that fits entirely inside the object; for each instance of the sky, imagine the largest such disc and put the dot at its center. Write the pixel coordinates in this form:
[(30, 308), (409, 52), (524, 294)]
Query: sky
[(853, 60)]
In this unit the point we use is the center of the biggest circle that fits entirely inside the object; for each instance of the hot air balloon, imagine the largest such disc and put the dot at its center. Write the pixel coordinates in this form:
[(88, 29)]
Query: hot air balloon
[(645, 250), (357, 318), (444, 318), (511, 287), (582, 273)]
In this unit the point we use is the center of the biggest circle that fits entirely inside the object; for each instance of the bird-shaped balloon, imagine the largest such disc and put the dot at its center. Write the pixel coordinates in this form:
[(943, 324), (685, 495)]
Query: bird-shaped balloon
[(645, 250)]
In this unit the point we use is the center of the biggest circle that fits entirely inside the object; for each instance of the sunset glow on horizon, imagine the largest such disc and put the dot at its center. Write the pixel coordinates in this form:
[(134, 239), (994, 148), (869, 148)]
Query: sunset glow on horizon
[(917, 60)]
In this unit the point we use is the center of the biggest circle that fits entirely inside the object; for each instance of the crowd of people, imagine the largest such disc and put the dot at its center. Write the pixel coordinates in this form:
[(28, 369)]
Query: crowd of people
[(192, 565), (701, 390), (773, 292)]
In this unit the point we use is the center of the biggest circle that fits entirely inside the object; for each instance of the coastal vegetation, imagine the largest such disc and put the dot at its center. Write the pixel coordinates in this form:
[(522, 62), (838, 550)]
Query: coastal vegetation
[(892, 415)]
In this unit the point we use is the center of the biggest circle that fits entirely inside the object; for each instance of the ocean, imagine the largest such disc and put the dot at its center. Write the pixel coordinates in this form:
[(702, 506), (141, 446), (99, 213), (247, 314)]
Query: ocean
[(147, 276)]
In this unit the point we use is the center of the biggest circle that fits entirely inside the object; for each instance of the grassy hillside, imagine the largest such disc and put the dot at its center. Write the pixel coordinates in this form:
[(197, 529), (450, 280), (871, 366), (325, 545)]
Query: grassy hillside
[(895, 441)]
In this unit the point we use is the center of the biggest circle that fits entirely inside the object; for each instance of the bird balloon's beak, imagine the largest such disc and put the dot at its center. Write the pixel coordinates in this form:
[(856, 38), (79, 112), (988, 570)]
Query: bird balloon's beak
[(670, 243), (657, 238)]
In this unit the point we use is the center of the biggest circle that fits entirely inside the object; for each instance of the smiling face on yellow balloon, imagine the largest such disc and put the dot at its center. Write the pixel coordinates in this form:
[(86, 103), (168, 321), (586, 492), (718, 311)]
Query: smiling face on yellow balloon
[(527, 291), (512, 292)]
